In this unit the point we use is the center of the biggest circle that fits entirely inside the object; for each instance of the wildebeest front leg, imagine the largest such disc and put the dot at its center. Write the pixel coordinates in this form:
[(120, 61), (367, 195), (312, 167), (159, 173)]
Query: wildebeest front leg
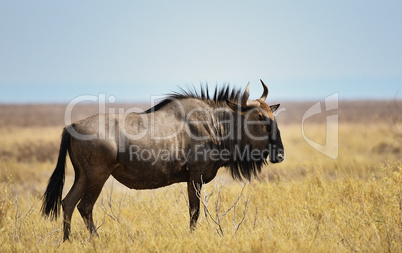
[(194, 188)]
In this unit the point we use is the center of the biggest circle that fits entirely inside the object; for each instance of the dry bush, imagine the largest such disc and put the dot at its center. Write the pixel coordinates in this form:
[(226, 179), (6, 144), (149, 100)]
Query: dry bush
[(218, 211)]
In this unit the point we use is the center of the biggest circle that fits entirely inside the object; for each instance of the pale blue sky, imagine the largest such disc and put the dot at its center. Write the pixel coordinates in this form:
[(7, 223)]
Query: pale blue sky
[(53, 51)]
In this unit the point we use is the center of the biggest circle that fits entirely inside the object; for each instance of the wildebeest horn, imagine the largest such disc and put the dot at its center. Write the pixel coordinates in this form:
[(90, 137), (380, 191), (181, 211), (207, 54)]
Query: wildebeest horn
[(245, 96), (244, 102), (265, 93)]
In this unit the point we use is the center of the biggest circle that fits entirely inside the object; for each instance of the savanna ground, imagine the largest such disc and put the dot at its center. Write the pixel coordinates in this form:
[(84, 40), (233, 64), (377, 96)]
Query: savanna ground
[(310, 202)]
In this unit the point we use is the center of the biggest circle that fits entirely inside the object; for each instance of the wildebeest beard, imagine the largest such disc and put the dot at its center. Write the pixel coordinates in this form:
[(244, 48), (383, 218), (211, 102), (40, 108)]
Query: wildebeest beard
[(246, 159), (245, 165)]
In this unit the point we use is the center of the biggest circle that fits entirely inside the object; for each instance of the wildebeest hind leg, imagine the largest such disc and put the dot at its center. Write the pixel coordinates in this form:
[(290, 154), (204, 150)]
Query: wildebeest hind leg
[(71, 200), (85, 207)]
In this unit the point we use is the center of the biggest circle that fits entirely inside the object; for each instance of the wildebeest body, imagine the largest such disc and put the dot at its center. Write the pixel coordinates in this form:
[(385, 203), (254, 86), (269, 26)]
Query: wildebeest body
[(185, 138)]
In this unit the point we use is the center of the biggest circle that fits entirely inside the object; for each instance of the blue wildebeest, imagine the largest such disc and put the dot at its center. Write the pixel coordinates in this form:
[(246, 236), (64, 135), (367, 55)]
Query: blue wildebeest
[(187, 137)]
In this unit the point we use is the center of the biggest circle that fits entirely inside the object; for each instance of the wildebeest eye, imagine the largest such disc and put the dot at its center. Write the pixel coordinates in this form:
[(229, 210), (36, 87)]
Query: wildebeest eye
[(265, 121)]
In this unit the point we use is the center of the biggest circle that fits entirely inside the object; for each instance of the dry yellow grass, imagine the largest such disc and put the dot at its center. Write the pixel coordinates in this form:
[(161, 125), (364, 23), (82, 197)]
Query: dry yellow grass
[(308, 203)]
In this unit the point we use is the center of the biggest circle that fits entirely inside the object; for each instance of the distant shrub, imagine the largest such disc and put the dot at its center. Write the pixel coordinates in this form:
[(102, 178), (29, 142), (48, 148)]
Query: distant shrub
[(37, 151), (30, 151)]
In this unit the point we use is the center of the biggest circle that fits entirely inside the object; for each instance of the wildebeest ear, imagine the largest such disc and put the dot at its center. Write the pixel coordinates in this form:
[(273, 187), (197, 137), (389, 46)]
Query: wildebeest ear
[(274, 107), (235, 107)]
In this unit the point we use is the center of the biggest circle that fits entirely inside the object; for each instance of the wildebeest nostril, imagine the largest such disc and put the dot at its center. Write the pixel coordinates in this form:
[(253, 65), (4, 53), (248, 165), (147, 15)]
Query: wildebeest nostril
[(280, 157)]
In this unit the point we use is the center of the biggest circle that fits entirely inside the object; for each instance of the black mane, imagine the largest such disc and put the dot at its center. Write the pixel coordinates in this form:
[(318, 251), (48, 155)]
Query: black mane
[(220, 96), (239, 168)]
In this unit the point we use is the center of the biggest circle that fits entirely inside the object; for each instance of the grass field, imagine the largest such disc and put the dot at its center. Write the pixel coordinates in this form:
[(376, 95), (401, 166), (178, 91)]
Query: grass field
[(309, 202)]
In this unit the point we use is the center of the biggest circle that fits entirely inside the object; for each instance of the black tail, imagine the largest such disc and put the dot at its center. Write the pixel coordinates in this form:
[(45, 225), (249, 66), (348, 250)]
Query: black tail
[(54, 190)]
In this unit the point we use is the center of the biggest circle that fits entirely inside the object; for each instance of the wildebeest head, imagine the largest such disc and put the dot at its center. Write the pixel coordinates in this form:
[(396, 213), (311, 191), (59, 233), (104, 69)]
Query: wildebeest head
[(260, 123)]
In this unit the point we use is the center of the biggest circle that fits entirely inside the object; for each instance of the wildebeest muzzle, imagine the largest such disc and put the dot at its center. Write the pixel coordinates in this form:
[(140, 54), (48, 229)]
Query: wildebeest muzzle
[(276, 150)]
